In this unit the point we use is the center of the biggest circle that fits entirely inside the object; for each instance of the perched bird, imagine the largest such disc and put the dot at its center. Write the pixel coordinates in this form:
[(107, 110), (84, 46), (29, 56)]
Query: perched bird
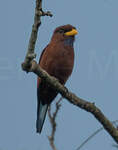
[(57, 59)]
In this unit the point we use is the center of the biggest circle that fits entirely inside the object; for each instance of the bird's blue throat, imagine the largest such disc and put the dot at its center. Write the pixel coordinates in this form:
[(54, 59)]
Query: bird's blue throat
[(69, 41)]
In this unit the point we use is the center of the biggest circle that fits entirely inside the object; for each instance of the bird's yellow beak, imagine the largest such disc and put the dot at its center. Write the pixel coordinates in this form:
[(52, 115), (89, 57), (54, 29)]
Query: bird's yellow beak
[(71, 33)]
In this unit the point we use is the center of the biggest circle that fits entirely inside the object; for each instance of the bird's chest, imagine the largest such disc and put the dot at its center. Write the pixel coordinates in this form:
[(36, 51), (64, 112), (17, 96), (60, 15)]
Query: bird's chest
[(58, 61), (64, 56), (64, 63)]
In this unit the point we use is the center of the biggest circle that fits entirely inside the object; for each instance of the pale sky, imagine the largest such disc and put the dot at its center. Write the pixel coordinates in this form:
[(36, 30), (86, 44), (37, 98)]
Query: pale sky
[(94, 78)]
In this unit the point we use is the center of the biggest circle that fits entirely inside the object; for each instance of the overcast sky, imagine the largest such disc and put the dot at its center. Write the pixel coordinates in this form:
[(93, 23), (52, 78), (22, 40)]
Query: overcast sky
[(94, 78)]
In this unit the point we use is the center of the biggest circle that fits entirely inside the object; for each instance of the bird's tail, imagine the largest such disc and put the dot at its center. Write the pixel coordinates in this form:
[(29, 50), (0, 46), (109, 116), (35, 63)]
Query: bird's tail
[(41, 114)]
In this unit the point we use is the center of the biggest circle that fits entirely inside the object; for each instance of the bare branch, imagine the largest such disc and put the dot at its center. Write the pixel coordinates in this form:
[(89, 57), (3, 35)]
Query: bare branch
[(116, 146), (72, 98), (92, 135), (52, 119), (37, 22)]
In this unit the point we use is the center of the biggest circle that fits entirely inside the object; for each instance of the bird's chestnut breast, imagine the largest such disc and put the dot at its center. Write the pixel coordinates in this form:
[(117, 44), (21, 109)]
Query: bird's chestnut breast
[(63, 61)]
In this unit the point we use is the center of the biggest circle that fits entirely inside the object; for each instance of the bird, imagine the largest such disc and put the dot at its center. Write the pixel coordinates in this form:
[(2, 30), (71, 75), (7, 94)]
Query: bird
[(57, 59)]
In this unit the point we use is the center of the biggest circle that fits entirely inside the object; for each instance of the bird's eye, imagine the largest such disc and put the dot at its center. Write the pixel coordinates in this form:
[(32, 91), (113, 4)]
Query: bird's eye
[(61, 31)]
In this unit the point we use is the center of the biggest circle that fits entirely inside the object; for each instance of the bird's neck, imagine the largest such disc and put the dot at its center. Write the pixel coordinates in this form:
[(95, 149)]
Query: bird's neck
[(69, 41)]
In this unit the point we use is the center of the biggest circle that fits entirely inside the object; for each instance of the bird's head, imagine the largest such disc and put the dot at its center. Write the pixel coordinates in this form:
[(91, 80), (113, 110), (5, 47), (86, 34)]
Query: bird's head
[(64, 33)]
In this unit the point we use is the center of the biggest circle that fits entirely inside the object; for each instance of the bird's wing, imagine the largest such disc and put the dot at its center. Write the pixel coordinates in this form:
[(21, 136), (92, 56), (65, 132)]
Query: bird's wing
[(41, 109), (39, 79), (43, 53)]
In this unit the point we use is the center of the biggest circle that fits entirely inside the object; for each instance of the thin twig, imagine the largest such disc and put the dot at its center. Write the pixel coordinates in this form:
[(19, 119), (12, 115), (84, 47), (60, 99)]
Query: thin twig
[(92, 135), (116, 146), (52, 119)]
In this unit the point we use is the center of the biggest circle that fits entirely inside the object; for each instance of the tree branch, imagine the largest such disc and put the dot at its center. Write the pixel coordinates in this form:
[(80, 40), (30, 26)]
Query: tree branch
[(37, 22), (52, 119), (94, 134), (72, 98), (30, 65)]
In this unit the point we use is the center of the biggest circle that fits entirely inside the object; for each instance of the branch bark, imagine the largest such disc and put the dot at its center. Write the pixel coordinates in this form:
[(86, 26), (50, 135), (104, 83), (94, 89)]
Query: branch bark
[(30, 65), (72, 98), (94, 134), (52, 119), (37, 22)]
